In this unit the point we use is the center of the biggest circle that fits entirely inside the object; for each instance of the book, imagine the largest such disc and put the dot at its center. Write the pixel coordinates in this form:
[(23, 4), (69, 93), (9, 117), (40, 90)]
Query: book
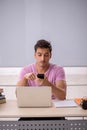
[(2, 98), (65, 103)]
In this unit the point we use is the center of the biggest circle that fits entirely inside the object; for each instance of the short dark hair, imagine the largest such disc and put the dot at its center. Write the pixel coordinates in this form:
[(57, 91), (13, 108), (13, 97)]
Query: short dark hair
[(43, 44)]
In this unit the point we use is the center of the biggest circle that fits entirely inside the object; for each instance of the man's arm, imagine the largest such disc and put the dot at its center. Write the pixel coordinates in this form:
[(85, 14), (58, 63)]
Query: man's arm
[(24, 81), (58, 90)]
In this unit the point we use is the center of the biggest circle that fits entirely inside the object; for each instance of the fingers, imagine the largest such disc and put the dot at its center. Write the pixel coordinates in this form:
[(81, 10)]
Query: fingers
[(30, 76), (42, 81)]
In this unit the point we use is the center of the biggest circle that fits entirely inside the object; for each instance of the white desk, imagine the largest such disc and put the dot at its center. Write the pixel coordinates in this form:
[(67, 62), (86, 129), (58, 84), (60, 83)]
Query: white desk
[(10, 110)]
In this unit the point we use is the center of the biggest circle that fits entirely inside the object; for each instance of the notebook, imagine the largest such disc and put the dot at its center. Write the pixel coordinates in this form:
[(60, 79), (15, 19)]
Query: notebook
[(34, 96), (65, 103)]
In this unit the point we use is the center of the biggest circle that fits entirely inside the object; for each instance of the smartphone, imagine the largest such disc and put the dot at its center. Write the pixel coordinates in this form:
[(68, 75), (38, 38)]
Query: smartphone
[(41, 76)]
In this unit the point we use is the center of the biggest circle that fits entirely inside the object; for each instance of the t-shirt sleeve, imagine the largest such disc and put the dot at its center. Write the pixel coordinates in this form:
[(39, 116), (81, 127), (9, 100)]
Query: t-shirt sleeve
[(60, 74), (21, 74)]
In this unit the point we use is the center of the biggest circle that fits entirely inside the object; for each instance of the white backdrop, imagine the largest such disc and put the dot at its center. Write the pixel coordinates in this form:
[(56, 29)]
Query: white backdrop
[(23, 22)]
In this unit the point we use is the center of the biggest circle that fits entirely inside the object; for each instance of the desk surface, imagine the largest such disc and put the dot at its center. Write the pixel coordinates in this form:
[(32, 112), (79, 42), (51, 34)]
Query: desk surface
[(10, 110)]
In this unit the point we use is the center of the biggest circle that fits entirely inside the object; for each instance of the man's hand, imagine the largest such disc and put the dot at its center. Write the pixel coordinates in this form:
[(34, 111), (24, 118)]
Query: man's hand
[(30, 76), (42, 82), (24, 81)]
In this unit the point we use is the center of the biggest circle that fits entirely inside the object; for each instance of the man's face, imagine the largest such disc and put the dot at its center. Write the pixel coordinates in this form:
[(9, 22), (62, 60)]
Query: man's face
[(42, 56)]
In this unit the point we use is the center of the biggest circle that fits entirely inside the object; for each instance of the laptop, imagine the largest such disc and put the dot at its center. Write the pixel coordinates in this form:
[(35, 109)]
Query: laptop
[(34, 96)]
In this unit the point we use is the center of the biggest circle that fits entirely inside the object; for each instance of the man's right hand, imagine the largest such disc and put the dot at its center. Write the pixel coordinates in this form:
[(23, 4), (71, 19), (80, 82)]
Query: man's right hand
[(30, 76)]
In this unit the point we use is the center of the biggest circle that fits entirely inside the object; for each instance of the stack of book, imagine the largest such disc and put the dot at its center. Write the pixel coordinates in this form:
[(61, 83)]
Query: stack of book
[(2, 98)]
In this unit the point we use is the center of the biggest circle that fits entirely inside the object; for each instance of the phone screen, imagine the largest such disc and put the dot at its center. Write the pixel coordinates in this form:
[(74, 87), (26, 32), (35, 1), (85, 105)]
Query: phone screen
[(41, 76)]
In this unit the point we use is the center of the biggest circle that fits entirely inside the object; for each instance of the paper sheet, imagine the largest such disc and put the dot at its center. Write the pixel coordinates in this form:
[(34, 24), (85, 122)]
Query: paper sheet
[(65, 103)]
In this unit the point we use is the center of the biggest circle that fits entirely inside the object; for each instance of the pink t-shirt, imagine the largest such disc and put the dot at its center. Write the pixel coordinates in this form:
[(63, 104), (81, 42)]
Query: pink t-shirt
[(54, 73)]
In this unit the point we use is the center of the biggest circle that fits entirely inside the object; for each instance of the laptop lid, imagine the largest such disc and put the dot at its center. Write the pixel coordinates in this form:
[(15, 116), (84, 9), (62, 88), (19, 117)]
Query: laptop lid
[(34, 96)]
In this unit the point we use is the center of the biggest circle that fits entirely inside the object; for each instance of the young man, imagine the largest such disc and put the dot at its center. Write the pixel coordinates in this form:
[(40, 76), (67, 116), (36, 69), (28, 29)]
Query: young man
[(54, 75)]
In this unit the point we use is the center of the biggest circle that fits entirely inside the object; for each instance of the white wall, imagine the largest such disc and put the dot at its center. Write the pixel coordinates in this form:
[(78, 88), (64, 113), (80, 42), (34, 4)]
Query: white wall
[(23, 22)]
